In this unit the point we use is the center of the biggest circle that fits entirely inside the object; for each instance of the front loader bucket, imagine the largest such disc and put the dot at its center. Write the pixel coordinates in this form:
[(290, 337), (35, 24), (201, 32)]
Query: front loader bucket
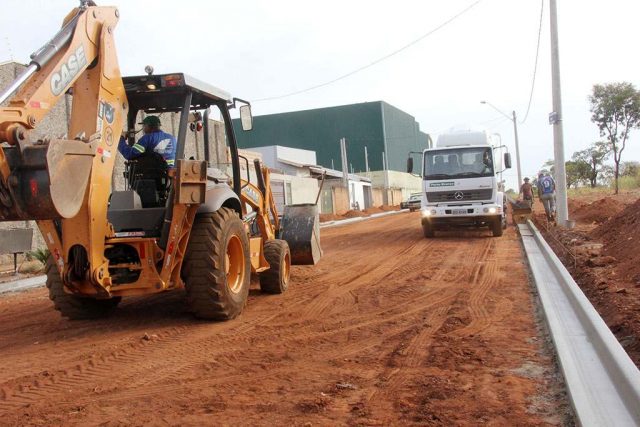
[(47, 181), (520, 211), (300, 227)]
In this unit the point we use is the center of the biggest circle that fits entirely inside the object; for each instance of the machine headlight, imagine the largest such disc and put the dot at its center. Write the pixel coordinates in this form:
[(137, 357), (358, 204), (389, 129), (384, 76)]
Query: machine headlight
[(493, 210)]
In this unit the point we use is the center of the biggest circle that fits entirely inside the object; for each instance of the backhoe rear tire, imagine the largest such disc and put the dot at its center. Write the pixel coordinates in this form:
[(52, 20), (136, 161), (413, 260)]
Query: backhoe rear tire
[(276, 279), (217, 266), (72, 306)]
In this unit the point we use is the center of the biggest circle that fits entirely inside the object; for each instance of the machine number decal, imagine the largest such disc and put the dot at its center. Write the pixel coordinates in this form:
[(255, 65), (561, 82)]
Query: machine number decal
[(442, 184)]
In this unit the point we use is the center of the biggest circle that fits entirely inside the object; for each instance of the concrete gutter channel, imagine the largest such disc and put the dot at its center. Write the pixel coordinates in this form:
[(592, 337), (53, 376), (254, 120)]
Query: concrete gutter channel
[(38, 281), (602, 381)]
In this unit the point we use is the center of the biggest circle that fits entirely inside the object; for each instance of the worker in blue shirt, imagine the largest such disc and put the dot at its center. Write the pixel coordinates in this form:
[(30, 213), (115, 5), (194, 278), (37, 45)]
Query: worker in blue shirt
[(153, 140)]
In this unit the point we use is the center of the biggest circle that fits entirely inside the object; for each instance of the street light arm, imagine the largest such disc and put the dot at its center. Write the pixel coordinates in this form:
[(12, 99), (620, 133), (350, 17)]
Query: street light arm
[(495, 108)]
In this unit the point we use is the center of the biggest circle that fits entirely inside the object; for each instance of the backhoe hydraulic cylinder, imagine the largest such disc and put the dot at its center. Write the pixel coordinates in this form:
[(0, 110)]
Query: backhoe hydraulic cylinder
[(43, 55)]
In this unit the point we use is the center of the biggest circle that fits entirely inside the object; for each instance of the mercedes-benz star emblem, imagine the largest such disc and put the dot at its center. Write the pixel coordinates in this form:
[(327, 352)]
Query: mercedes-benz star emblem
[(458, 195)]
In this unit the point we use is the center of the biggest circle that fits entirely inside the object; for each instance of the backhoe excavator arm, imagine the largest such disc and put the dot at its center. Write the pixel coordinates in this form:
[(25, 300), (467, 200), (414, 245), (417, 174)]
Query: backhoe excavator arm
[(66, 180)]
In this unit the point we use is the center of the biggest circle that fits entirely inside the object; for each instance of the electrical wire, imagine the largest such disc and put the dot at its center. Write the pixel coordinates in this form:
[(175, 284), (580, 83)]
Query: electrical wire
[(535, 66), (375, 62)]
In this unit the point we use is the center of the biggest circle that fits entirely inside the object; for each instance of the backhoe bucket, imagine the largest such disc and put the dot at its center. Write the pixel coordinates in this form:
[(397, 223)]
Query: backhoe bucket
[(47, 181), (300, 227)]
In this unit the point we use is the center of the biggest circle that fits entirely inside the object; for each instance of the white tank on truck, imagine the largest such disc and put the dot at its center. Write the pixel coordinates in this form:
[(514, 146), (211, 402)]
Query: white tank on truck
[(460, 183)]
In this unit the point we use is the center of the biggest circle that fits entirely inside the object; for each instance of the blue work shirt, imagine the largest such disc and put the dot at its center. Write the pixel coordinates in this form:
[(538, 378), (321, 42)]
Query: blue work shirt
[(546, 184), (158, 142)]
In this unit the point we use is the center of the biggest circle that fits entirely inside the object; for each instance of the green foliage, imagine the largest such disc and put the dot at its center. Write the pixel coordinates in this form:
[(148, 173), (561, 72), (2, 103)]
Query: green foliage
[(615, 109), (577, 172), (630, 169), (40, 254), (594, 156)]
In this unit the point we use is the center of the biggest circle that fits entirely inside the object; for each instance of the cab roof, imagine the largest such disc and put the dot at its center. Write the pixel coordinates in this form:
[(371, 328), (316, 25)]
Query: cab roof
[(165, 92)]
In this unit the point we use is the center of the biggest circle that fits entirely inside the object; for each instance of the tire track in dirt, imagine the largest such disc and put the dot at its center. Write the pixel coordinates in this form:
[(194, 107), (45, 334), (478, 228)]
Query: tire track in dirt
[(369, 315)]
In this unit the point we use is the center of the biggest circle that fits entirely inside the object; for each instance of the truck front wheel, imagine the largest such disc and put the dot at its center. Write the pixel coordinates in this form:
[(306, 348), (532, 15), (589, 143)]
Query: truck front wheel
[(427, 230), (496, 226)]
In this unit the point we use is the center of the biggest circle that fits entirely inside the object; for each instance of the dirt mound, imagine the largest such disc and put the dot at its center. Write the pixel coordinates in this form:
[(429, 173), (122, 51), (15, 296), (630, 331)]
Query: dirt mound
[(387, 208), (621, 238), (597, 212), (353, 214), (373, 210), (329, 217)]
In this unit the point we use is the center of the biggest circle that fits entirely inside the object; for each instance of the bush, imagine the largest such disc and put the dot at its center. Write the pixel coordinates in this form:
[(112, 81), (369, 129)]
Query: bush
[(40, 254)]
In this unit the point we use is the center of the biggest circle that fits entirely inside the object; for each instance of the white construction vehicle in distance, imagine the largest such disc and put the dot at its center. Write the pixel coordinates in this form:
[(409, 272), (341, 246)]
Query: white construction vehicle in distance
[(460, 184)]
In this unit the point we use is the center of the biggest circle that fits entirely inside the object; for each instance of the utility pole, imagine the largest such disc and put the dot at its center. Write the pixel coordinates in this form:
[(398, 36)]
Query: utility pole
[(345, 165), (515, 133), (366, 160), (555, 118)]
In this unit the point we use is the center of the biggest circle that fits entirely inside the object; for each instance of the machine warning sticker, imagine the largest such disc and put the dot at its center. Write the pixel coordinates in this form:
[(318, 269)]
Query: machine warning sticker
[(442, 184), (108, 136), (106, 111)]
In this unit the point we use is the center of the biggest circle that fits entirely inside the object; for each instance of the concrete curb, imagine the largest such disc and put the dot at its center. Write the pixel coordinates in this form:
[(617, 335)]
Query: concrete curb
[(330, 224), (23, 284), (602, 381)]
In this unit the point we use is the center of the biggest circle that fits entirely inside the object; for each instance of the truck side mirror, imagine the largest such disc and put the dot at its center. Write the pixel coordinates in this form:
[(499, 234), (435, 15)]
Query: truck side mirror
[(410, 165), (507, 160), (245, 117)]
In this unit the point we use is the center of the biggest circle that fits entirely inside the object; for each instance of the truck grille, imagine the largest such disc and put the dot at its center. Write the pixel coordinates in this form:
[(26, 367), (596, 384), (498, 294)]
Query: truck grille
[(462, 196)]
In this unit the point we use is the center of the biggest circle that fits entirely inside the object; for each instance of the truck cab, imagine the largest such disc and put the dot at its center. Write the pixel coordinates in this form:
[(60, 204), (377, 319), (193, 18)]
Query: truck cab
[(460, 184)]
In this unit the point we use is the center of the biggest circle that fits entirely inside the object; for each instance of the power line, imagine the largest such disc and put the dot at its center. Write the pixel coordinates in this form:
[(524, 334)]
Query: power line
[(535, 66), (377, 61)]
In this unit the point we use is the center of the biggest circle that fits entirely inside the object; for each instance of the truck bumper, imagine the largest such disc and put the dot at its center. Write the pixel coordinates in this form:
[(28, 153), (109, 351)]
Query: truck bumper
[(469, 215)]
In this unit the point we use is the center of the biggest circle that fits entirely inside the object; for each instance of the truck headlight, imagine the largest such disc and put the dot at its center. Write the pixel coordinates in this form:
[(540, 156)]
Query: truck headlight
[(493, 210), (428, 212)]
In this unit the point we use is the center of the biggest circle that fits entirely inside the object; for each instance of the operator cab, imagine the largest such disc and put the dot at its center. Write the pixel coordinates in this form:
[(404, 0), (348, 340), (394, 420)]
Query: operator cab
[(145, 204)]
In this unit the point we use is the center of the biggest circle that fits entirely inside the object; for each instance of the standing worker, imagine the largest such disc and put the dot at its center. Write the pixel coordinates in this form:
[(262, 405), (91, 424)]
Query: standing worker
[(547, 194), (526, 191)]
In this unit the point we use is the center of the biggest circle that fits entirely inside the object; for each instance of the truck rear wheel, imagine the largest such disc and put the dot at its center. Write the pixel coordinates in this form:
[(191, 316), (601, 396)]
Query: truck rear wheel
[(72, 306), (427, 230), (496, 226), (276, 279), (217, 267)]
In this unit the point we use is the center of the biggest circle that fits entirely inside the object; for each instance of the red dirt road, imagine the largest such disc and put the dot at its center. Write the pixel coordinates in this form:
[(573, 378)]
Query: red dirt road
[(390, 328)]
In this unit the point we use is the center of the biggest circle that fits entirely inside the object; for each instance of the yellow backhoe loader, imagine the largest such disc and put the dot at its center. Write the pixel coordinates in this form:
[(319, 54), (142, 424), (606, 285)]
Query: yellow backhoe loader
[(194, 227)]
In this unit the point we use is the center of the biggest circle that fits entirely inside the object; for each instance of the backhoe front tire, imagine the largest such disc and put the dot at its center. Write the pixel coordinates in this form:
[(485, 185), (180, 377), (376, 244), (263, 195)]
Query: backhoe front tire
[(276, 279), (217, 266), (72, 306)]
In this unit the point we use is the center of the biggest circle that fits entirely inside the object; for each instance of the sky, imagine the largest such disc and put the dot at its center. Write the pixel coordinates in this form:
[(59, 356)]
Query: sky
[(264, 49)]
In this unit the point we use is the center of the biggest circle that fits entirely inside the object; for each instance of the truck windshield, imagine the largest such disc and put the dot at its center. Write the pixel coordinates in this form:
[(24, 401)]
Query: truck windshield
[(455, 163)]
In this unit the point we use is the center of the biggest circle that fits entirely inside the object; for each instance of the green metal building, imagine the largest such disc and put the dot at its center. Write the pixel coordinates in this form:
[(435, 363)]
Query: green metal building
[(378, 126)]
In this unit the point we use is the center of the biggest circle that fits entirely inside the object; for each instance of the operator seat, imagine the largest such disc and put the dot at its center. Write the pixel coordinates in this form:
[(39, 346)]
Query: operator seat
[(148, 175)]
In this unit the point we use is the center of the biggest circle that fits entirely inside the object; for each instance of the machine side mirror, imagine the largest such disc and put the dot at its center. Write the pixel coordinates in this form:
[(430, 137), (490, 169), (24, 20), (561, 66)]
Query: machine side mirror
[(507, 160), (246, 118), (410, 165)]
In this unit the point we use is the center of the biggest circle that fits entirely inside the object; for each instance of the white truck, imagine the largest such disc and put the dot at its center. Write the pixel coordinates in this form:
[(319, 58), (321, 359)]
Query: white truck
[(460, 185)]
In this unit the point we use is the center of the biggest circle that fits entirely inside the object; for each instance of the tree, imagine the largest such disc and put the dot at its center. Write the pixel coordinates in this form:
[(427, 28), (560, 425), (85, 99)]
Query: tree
[(630, 169), (594, 156), (577, 172), (615, 109)]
